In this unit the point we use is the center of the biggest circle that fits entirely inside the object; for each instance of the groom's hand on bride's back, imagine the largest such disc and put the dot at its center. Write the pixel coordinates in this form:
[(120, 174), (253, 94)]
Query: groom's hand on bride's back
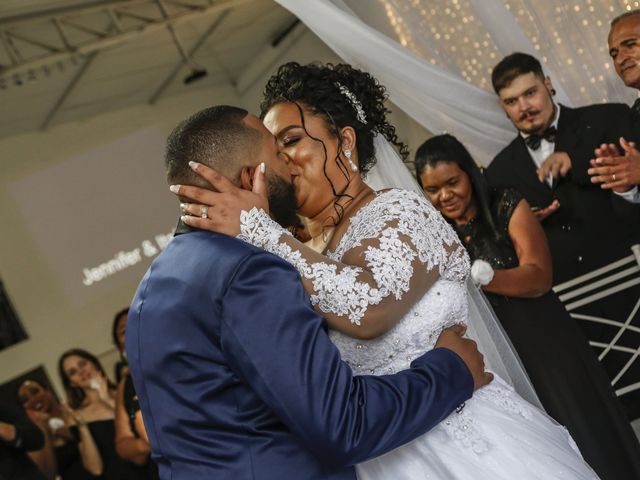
[(452, 338)]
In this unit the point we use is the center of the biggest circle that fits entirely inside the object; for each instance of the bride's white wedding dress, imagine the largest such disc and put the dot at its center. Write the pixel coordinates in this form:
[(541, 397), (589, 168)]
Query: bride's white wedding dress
[(398, 243)]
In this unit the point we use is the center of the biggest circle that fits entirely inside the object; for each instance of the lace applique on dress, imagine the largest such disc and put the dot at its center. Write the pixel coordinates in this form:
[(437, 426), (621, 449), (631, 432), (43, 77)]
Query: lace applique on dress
[(338, 292), (504, 396), (259, 229), (398, 226), (392, 280), (428, 234), (460, 427)]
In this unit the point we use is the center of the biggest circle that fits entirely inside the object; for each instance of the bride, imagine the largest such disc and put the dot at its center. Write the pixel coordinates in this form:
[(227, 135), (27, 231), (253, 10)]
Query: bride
[(385, 270)]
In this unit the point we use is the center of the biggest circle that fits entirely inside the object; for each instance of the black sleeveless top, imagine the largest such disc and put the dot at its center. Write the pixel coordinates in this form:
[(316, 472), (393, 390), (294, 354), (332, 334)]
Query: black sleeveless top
[(69, 461), (481, 242)]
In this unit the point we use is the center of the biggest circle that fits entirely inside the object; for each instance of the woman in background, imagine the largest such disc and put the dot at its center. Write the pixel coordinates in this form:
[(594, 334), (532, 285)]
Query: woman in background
[(131, 439), (513, 266), (92, 396), (74, 450), (118, 330)]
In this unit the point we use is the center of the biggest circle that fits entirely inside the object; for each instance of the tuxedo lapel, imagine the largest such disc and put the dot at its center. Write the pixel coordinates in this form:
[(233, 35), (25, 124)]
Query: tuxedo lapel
[(527, 172), (569, 130), (574, 135)]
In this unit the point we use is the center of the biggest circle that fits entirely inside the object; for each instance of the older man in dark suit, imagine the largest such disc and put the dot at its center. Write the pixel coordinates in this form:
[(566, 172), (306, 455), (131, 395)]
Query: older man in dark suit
[(619, 168)]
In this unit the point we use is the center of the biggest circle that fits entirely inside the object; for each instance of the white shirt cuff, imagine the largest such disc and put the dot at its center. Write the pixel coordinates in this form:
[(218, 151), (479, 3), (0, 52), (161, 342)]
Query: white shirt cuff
[(631, 196)]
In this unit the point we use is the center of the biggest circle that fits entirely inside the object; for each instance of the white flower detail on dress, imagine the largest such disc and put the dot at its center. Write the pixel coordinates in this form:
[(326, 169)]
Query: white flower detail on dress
[(503, 395), (460, 427), (394, 279), (398, 226), (337, 292), (428, 234), (257, 228)]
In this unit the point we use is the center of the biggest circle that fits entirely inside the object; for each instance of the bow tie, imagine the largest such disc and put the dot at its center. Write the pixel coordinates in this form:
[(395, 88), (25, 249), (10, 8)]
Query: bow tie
[(636, 108), (533, 141)]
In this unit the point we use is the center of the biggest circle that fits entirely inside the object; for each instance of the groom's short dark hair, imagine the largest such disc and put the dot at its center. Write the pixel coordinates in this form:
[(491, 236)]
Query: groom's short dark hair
[(215, 136), (513, 66)]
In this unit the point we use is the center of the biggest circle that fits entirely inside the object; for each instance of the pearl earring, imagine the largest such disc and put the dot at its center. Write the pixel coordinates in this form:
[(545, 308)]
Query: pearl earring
[(347, 154)]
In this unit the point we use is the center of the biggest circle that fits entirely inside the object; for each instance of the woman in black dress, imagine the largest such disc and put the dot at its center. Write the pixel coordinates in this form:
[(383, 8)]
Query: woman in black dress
[(513, 266), (132, 443), (75, 451), (92, 396)]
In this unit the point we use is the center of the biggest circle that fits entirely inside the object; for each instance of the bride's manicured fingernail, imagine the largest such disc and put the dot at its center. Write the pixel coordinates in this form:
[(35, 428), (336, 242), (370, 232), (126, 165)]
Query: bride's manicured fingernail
[(193, 165), (183, 207), (184, 218), (263, 167), (174, 188)]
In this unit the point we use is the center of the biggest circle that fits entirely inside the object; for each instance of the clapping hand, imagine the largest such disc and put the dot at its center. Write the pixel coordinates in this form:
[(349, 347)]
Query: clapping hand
[(39, 418), (615, 171), (73, 414)]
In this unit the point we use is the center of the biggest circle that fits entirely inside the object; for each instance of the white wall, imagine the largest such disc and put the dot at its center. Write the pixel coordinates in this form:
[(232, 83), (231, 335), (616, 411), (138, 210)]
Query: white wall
[(52, 322)]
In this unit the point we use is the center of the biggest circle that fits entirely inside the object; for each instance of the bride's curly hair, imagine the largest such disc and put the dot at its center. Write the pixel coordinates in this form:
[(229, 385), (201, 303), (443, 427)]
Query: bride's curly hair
[(317, 87)]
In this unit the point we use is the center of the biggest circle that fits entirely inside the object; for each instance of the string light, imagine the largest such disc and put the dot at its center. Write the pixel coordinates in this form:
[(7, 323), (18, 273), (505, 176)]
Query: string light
[(570, 39)]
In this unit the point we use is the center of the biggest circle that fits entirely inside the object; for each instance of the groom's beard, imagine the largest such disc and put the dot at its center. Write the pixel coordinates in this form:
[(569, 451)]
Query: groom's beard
[(282, 201)]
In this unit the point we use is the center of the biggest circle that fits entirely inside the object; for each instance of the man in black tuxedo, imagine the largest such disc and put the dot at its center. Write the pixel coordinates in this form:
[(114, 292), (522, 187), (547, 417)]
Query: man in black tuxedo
[(587, 227)]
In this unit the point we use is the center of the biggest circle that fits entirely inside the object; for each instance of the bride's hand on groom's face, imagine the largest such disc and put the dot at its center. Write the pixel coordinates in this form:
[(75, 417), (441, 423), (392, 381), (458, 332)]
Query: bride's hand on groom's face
[(452, 338), (219, 211)]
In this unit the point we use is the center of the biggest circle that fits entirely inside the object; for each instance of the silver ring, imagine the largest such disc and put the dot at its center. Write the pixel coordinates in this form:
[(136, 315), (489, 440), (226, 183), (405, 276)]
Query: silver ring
[(204, 211), (614, 177)]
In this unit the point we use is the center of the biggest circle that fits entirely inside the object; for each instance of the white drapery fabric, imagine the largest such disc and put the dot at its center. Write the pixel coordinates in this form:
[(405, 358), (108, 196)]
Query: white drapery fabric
[(435, 57)]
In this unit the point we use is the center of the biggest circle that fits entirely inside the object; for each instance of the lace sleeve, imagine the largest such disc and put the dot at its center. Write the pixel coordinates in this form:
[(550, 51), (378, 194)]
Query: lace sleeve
[(395, 248)]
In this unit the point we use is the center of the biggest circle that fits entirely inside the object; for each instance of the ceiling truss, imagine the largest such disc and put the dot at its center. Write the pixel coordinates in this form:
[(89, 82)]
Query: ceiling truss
[(67, 34)]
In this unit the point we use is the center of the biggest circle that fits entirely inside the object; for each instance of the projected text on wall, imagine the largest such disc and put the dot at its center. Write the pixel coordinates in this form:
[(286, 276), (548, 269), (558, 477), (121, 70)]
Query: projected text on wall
[(101, 217)]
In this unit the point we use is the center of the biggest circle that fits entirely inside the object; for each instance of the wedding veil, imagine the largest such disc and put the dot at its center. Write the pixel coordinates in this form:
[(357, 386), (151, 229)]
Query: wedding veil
[(483, 326)]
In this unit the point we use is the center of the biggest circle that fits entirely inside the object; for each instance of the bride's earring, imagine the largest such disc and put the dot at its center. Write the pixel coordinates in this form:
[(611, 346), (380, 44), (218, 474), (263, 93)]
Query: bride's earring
[(347, 153)]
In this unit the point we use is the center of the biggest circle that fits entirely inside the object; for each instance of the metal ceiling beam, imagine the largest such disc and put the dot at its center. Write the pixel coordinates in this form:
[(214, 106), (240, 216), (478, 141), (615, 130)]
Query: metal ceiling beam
[(44, 46), (67, 91), (118, 37), (86, 8), (73, 83), (267, 57), (167, 81), (82, 28)]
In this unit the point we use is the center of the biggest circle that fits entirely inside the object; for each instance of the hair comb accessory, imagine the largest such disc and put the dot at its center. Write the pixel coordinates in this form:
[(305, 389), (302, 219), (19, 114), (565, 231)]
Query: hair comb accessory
[(357, 106)]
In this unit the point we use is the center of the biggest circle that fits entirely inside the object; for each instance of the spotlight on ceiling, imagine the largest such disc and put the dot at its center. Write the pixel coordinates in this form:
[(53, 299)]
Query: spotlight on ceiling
[(197, 71), (195, 75)]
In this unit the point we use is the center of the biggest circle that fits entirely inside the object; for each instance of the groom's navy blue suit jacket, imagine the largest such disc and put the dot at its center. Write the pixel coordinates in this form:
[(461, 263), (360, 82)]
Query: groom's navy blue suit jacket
[(237, 378)]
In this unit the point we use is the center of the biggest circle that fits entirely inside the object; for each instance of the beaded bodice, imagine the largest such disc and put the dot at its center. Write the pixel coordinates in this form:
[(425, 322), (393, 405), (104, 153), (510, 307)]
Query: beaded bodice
[(443, 305)]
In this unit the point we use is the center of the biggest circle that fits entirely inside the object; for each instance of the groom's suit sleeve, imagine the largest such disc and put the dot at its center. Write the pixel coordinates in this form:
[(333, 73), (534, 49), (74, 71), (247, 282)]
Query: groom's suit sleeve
[(275, 341)]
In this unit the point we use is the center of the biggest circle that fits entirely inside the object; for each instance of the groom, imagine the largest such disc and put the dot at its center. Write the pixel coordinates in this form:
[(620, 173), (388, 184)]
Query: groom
[(236, 376)]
